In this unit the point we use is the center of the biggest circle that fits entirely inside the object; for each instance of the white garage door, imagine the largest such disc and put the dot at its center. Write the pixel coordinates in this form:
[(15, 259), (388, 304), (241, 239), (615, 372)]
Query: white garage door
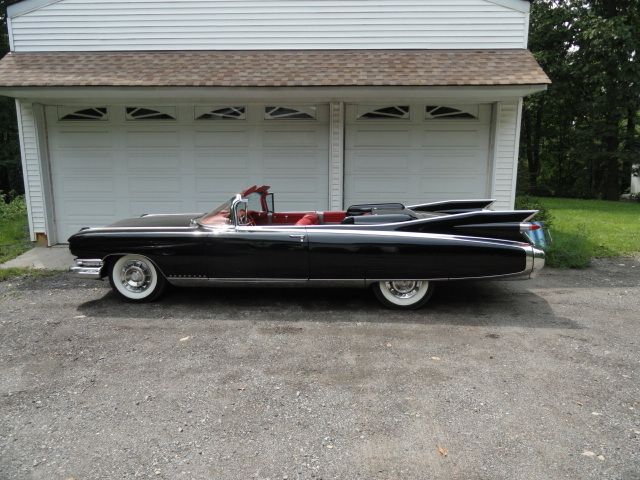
[(416, 153), (112, 162)]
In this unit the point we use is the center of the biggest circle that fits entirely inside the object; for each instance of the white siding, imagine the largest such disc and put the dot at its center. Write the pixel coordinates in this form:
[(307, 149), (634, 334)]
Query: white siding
[(336, 155), (31, 168), (506, 155), (78, 25)]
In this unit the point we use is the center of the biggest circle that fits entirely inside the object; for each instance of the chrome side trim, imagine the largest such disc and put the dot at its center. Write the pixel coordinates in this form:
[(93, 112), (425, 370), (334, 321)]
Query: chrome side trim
[(136, 229), (171, 214), (505, 276), (87, 268), (264, 282)]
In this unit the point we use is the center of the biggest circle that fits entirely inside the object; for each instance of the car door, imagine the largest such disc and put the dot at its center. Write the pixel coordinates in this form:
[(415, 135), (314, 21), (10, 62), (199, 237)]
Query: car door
[(259, 252), (336, 253)]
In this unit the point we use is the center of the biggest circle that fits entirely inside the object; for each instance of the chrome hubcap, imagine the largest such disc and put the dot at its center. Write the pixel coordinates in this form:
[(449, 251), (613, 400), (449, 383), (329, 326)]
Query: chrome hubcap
[(135, 276), (403, 288)]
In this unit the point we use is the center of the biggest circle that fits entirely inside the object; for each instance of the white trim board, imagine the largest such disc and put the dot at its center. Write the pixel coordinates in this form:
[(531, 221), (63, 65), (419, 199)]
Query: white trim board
[(83, 95), (25, 175), (42, 145)]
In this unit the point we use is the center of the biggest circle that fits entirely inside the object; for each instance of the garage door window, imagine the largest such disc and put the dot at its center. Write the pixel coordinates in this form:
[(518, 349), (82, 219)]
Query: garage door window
[(390, 112), (85, 113), (280, 112), (441, 112), (221, 113), (150, 113)]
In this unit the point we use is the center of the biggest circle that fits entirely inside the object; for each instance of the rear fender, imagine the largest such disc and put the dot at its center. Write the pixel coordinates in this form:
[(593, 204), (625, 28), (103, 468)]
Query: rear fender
[(509, 225)]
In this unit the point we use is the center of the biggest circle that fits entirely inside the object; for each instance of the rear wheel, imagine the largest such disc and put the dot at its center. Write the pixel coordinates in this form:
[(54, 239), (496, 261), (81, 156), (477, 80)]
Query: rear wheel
[(403, 294), (136, 279)]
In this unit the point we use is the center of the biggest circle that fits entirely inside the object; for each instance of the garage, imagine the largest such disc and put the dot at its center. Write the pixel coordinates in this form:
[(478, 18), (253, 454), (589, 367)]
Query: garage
[(415, 153), (104, 137), (115, 161)]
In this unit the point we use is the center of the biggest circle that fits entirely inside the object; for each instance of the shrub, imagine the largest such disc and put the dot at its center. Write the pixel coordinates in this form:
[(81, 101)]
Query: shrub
[(16, 208), (568, 250), (526, 202)]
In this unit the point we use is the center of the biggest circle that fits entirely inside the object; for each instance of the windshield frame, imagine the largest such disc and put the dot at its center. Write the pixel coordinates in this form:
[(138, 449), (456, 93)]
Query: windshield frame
[(227, 206), (260, 201)]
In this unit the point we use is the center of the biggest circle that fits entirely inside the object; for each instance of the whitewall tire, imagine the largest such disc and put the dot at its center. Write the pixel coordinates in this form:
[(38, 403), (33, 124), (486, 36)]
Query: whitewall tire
[(403, 294), (136, 279)]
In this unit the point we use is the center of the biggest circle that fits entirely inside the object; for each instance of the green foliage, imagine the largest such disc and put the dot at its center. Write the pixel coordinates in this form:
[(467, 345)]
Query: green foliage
[(526, 202), (14, 230), (579, 138), (15, 209), (569, 251), (10, 167)]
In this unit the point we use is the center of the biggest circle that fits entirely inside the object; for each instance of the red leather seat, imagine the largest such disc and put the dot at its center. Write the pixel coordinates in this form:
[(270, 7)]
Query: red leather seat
[(309, 219)]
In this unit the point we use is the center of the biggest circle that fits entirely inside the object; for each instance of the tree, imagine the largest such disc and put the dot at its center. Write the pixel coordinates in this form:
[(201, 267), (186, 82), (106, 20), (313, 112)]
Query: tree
[(580, 137), (10, 166)]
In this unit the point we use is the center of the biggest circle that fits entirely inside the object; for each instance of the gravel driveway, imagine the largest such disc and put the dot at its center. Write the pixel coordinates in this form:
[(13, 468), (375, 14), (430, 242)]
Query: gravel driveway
[(496, 380)]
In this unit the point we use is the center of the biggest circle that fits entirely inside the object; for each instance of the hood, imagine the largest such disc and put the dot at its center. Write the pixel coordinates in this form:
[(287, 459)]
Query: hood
[(178, 220)]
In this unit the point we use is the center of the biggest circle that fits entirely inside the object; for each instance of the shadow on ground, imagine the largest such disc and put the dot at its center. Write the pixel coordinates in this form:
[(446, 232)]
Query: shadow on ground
[(460, 303)]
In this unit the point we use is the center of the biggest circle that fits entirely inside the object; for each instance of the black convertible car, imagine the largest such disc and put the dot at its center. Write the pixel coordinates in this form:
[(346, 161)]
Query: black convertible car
[(400, 251)]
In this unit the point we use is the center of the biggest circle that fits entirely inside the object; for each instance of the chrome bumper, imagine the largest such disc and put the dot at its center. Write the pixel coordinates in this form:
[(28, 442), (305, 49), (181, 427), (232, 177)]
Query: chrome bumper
[(87, 268), (535, 261)]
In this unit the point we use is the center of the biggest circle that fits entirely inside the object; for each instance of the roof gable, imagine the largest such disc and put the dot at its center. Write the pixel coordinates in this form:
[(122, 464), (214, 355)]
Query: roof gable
[(16, 8), (122, 25)]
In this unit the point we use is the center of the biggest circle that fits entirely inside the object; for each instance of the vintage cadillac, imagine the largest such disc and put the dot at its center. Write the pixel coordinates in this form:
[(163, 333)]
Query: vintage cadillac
[(400, 251)]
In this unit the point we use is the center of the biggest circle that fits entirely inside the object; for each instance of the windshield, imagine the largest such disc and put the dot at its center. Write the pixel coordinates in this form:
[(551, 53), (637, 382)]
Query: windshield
[(220, 215), (256, 207)]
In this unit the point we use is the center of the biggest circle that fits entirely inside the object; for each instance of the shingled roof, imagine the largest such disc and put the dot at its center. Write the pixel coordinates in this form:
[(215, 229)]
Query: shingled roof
[(281, 68)]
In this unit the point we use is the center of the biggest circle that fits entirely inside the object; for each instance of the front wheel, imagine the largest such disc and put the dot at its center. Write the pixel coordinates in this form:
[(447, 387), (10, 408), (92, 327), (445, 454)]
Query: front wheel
[(136, 279), (403, 294)]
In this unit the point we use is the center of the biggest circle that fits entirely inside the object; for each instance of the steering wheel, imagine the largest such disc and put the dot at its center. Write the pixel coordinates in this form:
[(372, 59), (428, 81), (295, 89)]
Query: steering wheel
[(245, 218)]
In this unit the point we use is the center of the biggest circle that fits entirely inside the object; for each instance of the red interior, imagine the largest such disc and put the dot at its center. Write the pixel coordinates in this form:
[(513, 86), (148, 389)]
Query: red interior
[(280, 218), (289, 218), (297, 218)]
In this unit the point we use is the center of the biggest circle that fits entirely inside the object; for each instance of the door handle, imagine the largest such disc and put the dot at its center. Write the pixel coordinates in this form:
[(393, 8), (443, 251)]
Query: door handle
[(298, 235)]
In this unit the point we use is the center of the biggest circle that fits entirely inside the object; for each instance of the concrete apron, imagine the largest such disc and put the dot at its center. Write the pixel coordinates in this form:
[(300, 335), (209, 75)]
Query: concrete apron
[(45, 258)]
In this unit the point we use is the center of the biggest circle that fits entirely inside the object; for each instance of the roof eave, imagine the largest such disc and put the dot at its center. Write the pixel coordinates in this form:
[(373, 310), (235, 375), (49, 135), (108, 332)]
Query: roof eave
[(186, 94)]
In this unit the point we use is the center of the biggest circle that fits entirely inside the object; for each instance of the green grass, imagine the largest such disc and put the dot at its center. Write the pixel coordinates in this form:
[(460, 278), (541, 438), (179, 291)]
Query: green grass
[(12, 273), (585, 229), (14, 237)]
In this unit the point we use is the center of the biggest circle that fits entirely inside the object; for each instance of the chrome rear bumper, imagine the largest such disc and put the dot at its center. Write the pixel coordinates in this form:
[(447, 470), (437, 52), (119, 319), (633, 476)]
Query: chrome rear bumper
[(535, 261), (87, 268)]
